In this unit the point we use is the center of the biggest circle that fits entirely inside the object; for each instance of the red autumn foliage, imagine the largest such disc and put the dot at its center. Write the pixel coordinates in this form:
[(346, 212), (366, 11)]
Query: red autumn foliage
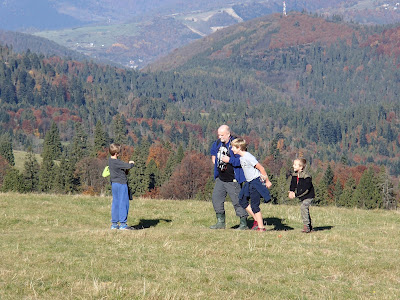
[(27, 127), (252, 139), (387, 43), (390, 116), (159, 154), (273, 165), (126, 153), (153, 193), (89, 171), (103, 154), (89, 79), (299, 29), (189, 177)]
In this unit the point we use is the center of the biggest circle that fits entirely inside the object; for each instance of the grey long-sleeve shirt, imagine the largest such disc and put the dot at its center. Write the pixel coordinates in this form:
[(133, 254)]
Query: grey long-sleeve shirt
[(118, 170)]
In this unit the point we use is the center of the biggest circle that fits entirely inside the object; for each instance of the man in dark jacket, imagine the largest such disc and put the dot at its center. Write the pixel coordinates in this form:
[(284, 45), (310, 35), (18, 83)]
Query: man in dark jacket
[(228, 177)]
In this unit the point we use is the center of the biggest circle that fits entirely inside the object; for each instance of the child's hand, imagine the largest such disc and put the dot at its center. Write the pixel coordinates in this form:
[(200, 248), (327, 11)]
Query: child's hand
[(292, 195), (268, 183), (131, 162)]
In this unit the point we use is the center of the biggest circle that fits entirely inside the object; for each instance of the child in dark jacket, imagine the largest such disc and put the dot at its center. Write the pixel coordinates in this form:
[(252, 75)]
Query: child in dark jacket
[(301, 187)]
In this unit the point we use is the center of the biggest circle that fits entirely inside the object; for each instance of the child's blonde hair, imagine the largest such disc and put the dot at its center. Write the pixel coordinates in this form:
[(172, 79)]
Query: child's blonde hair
[(114, 149), (302, 162), (240, 143)]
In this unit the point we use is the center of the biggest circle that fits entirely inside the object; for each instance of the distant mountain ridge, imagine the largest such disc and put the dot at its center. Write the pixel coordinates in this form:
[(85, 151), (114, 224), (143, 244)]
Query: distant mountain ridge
[(257, 36), (21, 42), (136, 33)]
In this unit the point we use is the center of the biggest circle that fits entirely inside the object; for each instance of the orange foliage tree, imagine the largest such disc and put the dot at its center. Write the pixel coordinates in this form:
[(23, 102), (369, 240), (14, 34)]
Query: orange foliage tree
[(159, 154), (189, 177)]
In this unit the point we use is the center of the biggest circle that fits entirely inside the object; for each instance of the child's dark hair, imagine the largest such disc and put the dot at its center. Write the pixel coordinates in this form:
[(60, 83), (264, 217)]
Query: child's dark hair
[(240, 143), (114, 149)]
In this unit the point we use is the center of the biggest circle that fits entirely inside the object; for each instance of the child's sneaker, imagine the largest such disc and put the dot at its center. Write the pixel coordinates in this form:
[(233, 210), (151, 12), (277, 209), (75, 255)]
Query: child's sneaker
[(114, 226), (255, 225), (126, 227), (261, 229)]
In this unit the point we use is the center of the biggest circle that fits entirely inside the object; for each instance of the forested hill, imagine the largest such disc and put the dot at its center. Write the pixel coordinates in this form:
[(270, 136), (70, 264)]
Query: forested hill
[(280, 83), (252, 39), (318, 81), (22, 42)]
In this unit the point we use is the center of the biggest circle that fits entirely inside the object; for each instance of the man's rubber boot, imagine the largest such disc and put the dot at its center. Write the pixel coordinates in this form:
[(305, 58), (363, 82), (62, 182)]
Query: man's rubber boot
[(220, 222), (243, 224)]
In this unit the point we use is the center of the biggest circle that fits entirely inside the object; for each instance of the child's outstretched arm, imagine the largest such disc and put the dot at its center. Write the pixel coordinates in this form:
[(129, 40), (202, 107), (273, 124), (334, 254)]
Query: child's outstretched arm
[(264, 175)]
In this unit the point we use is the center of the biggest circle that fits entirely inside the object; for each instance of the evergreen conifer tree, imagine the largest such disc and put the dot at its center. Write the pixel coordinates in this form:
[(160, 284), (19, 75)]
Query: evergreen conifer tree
[(169, 167), (52, 143), (31, 172), (120, 132), (337, 191), (79, 145), (100, 140), (328, 176), (6, 149), (282, 187), (367, 193), (154, 175), (346, 197), (179, 154), (139, 179), (13, 181), (47, 174)]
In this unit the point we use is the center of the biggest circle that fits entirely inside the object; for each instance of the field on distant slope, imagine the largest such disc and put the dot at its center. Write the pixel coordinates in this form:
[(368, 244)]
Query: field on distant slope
[(91, 39), (55, 247), (20, 158)]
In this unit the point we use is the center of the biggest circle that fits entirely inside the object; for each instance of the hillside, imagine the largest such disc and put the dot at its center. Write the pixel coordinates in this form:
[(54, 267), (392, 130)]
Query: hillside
[(137, 33), (21, 42), (62, 247), (334, 100), (256, 37)]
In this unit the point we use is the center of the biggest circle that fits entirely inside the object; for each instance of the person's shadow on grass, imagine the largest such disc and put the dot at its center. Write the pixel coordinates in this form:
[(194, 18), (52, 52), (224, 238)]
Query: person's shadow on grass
[(321, 228), (146, 223), (277, 223)]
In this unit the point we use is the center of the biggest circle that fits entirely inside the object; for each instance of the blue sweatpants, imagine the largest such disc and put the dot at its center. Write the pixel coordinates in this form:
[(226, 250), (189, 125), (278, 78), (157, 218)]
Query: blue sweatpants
[(255, 197), (120, 203)]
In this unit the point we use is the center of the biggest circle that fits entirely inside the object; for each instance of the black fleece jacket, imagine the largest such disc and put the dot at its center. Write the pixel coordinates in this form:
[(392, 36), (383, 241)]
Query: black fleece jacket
[(304, 189)]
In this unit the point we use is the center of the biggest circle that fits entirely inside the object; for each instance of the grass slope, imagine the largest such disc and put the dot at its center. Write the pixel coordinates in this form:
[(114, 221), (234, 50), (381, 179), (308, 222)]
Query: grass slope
[(20, 158), (61, 247)]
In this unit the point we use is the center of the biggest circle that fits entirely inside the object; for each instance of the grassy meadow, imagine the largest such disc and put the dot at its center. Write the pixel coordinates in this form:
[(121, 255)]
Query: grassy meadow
[(20, 158), (61, 247)]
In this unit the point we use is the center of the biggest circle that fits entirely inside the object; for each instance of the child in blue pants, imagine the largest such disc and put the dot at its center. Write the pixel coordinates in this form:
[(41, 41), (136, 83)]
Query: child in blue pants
[(255, 188), (119, 188)]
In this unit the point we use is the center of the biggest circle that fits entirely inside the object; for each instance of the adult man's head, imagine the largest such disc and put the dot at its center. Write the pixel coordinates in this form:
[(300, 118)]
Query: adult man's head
[(224, 133)]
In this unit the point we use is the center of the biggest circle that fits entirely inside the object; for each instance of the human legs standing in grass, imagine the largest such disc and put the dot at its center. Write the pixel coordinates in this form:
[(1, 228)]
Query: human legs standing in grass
[(120, 204), (254, 209), (305, 215)]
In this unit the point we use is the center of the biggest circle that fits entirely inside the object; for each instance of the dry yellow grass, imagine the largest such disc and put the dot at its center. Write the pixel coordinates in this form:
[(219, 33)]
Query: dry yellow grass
[(61, 247)]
